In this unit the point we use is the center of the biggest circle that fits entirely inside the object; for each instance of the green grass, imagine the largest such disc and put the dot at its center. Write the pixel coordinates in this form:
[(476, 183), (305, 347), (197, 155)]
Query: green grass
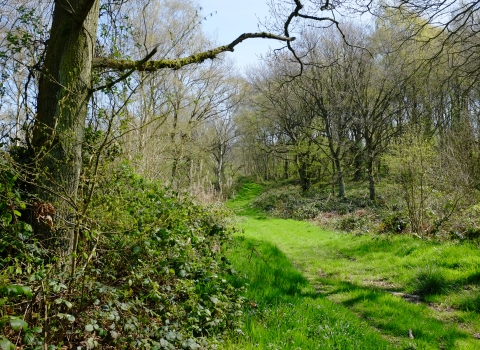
[(285, 312), (240, 202), (360, 272)]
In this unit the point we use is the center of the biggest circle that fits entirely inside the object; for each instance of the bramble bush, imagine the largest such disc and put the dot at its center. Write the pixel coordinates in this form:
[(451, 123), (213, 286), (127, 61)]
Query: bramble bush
[(150, 273)]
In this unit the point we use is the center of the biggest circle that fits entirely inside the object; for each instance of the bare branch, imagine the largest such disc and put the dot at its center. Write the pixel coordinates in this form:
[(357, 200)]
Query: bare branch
[(295, 13), (152, 66)]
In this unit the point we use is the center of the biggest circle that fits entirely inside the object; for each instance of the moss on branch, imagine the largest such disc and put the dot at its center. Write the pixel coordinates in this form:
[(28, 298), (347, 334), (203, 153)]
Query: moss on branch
[(151, 66)]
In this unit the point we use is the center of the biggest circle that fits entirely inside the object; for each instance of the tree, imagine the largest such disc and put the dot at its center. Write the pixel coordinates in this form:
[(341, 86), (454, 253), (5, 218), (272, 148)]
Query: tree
[(291, 114), (223, 133), (456, 25), (326, 81), (380, 75)]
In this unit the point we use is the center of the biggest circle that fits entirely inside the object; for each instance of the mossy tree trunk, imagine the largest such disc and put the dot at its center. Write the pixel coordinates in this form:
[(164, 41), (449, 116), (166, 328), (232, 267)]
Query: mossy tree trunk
[(303, 171), (371, 177), (64, 90)]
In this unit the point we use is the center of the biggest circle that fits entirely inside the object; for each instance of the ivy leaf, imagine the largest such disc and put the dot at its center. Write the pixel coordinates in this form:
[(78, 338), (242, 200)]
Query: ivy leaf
[(17, 323), (125, 306), (5, 344), (91, 343), (36, 330), (28, 338), (27, 291), (70, 318), (14, 290)]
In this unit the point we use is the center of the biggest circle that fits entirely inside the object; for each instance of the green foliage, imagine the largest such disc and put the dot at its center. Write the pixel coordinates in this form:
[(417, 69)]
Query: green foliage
[(412, 163), (435, 186), (290, 202), (149, 273), (393, 223), (355, 223), (442, 217)]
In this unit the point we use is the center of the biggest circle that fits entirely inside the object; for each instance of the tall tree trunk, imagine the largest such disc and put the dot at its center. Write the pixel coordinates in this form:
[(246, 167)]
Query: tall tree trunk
[(371, 178), (358, 164), (302, 167), (219, 168), (357, 149), (340, 181), (285, 169), (336, 163), (64, 90)]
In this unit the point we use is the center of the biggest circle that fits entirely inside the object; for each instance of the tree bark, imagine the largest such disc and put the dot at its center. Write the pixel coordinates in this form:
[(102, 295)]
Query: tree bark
[(302, 167), (371, 178), (285, 169), (64, 90), (340, 181)]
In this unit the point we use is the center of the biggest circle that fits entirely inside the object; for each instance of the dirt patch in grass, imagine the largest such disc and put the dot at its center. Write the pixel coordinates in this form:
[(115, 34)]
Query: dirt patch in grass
[(382, 283)]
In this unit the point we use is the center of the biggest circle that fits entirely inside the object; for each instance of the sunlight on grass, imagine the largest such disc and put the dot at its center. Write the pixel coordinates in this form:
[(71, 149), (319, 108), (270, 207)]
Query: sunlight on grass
[(285, 312), (239, 202), (361, 272)]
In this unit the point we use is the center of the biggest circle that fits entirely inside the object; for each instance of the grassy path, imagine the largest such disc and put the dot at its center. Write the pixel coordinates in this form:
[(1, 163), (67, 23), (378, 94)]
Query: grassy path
[(316, 289)]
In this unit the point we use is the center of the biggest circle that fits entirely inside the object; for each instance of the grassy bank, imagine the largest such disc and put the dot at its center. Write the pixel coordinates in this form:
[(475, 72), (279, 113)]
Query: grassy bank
[(414, 294)]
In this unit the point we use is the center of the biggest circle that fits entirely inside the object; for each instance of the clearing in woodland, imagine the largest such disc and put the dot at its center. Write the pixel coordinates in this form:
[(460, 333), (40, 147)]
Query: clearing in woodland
[(308, 288)]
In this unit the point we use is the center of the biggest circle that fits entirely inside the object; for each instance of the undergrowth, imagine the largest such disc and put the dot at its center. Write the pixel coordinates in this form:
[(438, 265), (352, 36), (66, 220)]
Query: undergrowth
[(358, 214), (416, 293), (150, 273)]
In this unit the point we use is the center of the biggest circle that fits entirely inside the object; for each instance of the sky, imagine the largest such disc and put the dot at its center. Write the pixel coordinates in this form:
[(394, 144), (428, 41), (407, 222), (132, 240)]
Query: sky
[(232, 18)]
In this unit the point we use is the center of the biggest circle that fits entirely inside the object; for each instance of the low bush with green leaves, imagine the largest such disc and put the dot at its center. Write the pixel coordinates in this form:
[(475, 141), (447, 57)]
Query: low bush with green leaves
[(149, 275), (289, 202)]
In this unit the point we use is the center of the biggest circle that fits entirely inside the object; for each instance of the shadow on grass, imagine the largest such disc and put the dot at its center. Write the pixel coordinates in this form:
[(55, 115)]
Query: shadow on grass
[(271, 273), (474, 278), (281, 294), (395, 316), (273, 282), (285, 312)]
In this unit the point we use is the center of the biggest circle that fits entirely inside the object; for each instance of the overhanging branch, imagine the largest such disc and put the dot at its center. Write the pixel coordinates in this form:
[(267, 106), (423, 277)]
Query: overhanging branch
[(178, 63), (126, 75)]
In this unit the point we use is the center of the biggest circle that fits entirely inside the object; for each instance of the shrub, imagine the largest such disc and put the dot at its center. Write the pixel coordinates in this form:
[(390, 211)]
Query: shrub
[(393, 223), (280, 202)]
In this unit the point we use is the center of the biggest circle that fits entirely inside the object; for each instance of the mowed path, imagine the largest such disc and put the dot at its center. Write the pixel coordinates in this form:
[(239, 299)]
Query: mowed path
[(373, 276)]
